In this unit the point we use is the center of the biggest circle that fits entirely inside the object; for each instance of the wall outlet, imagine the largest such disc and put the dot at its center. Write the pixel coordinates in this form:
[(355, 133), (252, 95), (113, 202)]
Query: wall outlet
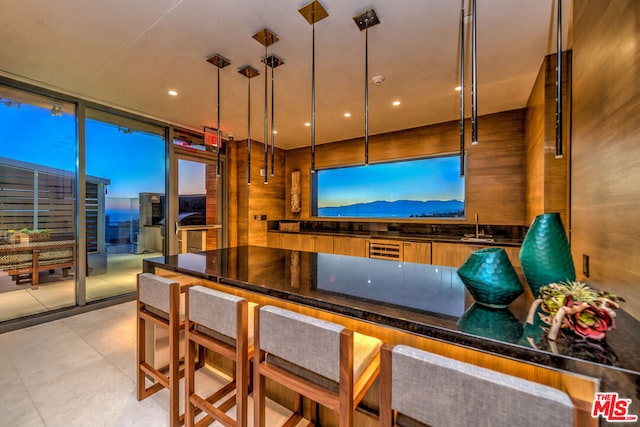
[(585, 265), (261, 172)]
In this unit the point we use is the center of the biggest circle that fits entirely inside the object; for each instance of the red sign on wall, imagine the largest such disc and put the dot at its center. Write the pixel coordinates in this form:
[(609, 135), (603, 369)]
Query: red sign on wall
[(210, 137)]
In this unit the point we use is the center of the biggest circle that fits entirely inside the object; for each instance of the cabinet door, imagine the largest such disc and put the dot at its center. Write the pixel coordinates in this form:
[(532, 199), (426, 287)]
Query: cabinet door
[(274, 240), (451, 254), (417, 252), (292, 241), (454, 254), (353, 246), (321, 243)]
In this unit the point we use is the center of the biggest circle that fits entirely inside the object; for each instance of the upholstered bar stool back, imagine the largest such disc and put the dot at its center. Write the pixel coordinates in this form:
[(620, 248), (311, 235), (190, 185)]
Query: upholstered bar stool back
[(158, 302), (420, 388), (323, 361), (221, 323)]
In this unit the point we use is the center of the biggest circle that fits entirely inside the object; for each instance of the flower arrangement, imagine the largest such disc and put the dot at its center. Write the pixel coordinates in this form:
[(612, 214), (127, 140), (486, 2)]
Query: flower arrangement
[(574, 305)]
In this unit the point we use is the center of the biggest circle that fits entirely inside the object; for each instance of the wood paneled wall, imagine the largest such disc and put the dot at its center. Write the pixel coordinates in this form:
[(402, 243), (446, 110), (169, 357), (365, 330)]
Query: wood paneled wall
[(605, 199), (257, 200), (494, 178), (212, 205), (547, 177)]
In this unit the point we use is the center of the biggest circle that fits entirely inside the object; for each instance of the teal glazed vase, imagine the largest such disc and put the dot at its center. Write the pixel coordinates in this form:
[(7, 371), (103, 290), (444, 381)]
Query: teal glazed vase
[(490, 278), (495, 323), (545, 254)]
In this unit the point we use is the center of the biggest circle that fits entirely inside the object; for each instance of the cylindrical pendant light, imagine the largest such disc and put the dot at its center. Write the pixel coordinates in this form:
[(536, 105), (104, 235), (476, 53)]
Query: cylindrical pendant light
[(220, 62), (559, 85), (266, 38), (474, 75), (273, 62), (249, 72), (462, 89), (313, 12), (364, 21)]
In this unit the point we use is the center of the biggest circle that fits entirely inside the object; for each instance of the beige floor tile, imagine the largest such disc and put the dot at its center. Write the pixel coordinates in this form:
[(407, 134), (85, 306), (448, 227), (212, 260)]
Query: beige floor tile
[(80, 371), (61, 294), (19, 303)]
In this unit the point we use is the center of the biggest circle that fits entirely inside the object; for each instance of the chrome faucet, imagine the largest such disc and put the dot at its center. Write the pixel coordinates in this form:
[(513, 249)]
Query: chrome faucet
[(477, 234)]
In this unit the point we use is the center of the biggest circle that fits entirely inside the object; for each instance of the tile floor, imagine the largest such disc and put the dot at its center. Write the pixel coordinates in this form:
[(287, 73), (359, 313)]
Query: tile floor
[(55, 292), (80, 371)]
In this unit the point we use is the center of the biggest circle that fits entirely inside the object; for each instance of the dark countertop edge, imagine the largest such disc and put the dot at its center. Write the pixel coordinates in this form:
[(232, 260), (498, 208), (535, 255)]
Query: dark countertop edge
[(510, 351), (407, 238)]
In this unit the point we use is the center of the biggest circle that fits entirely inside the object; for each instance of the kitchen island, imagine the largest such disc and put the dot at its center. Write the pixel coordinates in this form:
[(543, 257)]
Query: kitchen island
[(422, 305)]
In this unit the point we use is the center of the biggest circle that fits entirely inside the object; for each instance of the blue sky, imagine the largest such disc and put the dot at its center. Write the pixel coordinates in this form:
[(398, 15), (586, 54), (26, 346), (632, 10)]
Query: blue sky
[(133, 162), (436, 178)]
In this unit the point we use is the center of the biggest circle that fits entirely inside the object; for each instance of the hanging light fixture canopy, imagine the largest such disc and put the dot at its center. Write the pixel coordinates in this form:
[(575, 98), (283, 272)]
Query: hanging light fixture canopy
[(266, 37), (220, 62), (249, 72), (313, 12), (364, 21)]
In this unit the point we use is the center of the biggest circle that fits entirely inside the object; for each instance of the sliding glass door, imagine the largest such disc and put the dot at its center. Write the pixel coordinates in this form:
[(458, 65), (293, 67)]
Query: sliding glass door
[(125, 184)]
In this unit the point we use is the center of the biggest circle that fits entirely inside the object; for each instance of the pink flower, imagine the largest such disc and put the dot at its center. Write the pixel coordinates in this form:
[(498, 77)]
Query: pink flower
[(588, 320)]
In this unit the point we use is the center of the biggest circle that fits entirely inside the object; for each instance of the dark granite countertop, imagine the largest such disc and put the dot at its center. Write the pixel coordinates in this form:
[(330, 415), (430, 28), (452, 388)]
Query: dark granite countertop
[(424, 299)]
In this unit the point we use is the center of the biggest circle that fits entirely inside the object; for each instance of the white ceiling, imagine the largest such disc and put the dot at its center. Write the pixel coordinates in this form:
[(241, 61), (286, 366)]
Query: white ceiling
[(129, 53)]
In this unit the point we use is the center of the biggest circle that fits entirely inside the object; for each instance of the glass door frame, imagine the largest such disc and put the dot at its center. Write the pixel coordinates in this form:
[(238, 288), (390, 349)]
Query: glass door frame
[(176, 154)]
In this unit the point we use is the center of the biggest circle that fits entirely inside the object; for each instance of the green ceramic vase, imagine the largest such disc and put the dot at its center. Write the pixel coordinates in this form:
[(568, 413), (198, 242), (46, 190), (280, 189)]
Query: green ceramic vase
[(545, 254), (490, 278)]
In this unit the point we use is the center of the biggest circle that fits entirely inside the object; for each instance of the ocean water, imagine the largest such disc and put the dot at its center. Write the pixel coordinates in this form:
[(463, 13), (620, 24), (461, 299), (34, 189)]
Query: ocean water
[(121, 216)]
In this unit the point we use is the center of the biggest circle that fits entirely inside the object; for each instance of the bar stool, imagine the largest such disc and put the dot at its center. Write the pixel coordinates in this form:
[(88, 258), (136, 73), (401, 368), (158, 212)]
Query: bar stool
[(221, 323), (158, 302), (323, 361), (419, 388)]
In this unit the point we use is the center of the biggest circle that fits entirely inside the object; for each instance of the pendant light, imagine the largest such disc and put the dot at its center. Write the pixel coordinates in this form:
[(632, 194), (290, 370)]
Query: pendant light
[(364, 21), (273, 62), (559, 85), (474, 76), (266, 38), (462, 89), (313, 12), (249, 72), (220, 62)]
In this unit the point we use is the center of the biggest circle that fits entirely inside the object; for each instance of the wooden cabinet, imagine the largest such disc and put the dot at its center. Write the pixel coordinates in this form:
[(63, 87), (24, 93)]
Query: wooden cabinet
[(275, 240), (300, 242), (454, 254), (385, 249), (316, 243), (353, 246), (419, 252)]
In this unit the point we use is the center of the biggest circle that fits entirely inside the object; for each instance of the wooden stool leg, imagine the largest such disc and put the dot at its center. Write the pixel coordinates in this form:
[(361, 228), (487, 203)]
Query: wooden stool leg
[(140, 357), (258, 379), (189, 377)]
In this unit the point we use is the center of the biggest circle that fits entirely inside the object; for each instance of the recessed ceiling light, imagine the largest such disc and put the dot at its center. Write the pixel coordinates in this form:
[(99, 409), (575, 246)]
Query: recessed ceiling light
[(347, 114), (458, 88), (396, 103), (173, 93), (307, 124)]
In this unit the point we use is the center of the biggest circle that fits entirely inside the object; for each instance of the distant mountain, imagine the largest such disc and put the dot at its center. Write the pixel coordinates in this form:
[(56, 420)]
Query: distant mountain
[(397, 209)]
